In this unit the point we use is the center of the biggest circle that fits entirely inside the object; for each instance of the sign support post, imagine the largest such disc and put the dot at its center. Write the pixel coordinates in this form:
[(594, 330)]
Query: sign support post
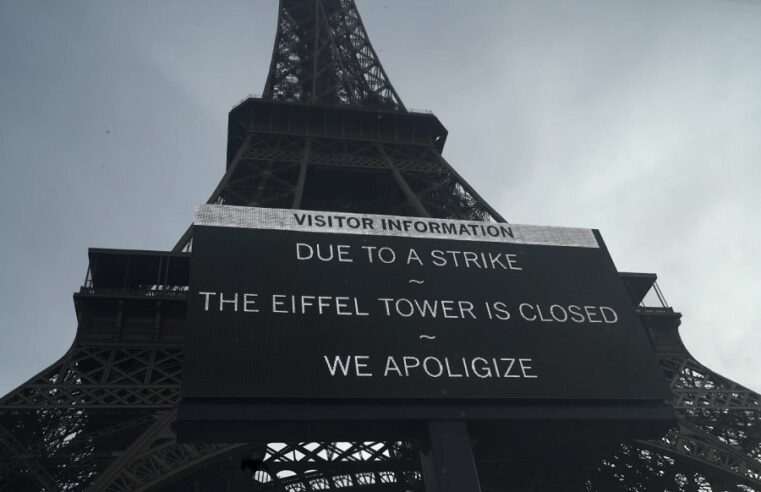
[(448, 464)]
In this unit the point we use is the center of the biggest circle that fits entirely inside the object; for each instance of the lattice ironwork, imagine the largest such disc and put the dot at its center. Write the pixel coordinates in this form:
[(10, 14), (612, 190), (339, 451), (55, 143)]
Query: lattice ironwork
[(323, 55), (409, 180), (101, 377), (335, 465)]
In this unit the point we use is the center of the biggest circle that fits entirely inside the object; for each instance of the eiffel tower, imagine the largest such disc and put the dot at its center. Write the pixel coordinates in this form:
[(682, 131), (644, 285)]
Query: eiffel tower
[(329, 133)]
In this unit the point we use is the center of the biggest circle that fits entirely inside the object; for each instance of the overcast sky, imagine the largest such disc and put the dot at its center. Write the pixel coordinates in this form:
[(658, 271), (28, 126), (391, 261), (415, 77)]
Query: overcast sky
[(641, 118)]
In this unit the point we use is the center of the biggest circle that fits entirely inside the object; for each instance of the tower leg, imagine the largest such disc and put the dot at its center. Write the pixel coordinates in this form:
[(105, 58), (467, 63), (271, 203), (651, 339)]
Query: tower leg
[(448, 464)]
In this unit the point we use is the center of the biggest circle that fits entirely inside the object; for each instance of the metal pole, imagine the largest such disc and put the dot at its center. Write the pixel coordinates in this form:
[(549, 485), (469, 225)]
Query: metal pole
[(448, 464)]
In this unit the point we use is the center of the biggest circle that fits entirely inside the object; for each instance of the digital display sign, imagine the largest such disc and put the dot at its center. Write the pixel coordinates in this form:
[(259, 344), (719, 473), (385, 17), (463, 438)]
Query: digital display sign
[(289, 305)]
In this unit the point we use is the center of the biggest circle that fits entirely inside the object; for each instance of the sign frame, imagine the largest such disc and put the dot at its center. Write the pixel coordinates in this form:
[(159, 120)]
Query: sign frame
[(220, 416)]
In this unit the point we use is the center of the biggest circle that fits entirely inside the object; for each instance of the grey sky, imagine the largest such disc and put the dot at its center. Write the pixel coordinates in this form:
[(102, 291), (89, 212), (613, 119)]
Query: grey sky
[(640, 118)]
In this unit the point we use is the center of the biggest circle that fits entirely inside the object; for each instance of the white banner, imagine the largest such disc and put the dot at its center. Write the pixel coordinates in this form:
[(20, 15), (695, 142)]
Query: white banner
[(390, 225)]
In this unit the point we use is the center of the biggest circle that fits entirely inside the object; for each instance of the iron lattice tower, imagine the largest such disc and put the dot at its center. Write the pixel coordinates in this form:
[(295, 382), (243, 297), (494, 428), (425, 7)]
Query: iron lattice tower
[(329, 133)]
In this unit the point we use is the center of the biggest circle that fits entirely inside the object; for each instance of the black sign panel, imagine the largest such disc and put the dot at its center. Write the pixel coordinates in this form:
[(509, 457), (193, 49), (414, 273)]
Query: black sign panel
[(290, 314)]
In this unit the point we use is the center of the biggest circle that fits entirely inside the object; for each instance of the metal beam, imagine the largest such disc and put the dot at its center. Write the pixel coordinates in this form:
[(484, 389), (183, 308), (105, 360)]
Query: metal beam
[(412, 198)]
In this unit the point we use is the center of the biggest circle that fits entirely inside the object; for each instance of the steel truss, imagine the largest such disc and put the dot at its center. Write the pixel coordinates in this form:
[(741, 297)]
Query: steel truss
[(267, 173), (322, 55), (101, 418)]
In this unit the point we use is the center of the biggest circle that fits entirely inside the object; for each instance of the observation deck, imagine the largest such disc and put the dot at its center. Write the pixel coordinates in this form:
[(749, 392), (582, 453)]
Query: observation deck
[(133, 296), (339, 121)]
